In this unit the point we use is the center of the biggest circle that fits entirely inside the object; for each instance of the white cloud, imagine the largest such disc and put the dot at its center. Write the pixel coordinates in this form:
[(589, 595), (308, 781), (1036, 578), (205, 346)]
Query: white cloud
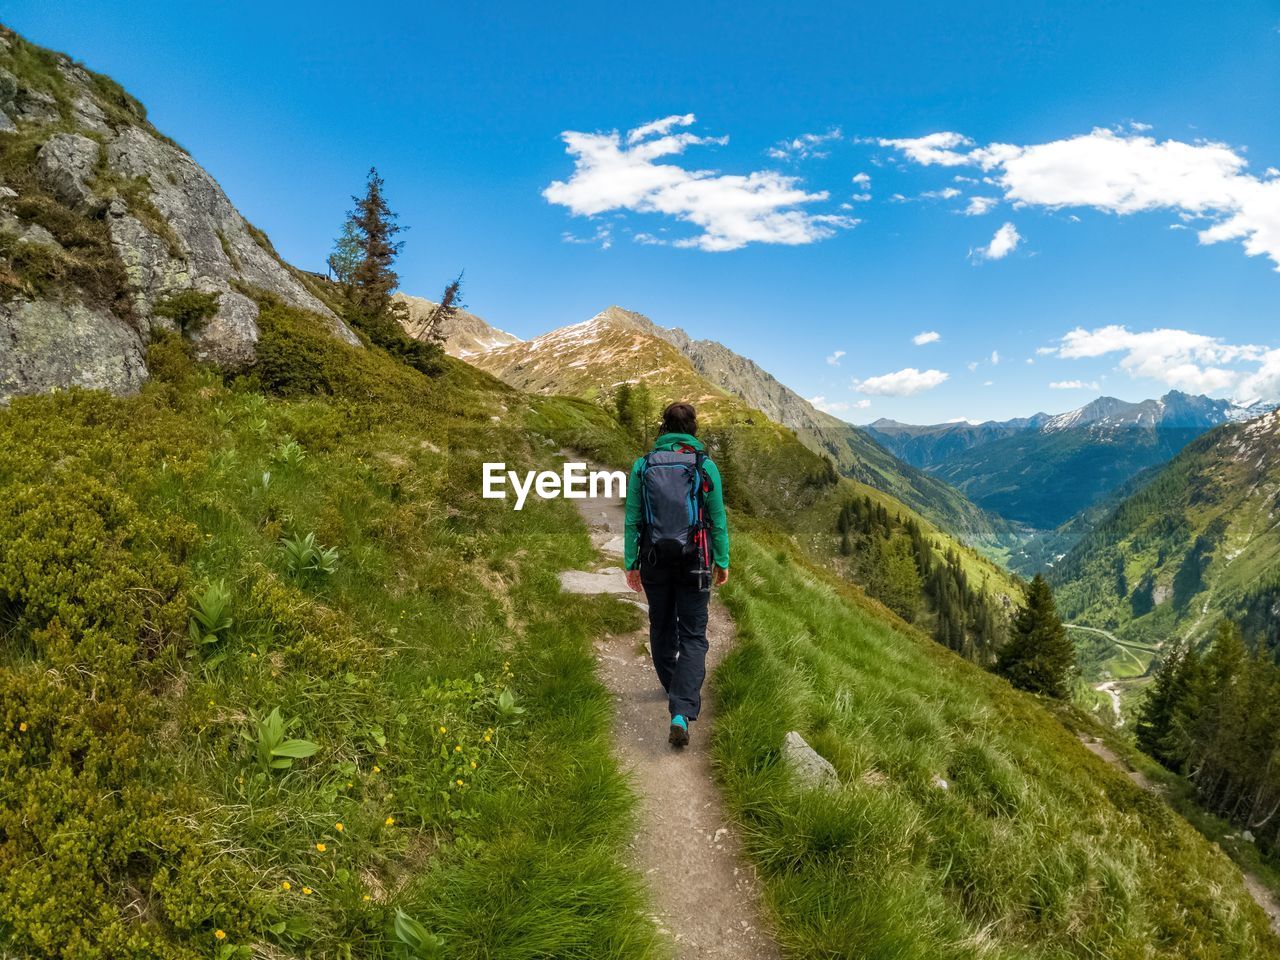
[(928, 336), (979, 205), (731, 210), (862, 180), (822, 404), (804, 146), (1004, 242), (1124, 173), (972, 365), (936, 148), (902, 383), (1073, 385), (603, 237), (1263, 383), (834, 359), (946, 193), (862, 404), (987, 383), (1181, 359)]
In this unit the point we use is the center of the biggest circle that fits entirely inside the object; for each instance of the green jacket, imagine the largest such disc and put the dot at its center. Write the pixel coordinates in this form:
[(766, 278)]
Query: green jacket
[(715, 503)]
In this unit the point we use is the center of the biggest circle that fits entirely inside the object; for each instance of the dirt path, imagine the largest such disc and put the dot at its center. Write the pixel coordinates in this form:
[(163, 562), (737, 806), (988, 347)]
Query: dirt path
[(1261, 894), (707, 898)]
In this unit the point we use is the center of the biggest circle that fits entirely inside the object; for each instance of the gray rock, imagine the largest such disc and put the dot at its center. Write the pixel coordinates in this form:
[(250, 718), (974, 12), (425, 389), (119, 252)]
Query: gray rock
[(65, 164), (808, 766), (89, 115), (229, 337), (7, 193), (37, 106), (215, 240), (6, 124), (28, 232), (46, 345), (1247, 836), (8, 89), (939, 783), (579, 581)]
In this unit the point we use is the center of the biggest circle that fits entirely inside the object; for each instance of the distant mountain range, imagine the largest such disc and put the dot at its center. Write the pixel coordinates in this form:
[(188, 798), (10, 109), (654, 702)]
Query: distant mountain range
[(1198, 540), (592, 358), (1042, 471)]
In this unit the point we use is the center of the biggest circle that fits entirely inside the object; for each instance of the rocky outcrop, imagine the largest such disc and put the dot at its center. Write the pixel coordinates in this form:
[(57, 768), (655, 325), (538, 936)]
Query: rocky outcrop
[(47, 345), (169, 223)]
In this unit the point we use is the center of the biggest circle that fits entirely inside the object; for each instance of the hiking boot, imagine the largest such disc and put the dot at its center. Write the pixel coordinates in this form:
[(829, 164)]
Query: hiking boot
[(679, 736)]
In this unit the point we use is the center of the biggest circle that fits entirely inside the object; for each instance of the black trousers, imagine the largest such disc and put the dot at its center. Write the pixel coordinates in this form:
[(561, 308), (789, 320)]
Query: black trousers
[(677, 635)]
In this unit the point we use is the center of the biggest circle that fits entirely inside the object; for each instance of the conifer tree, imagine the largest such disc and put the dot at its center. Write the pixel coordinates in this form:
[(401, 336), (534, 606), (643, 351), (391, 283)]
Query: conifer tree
[(1039, 656), (374, 279)]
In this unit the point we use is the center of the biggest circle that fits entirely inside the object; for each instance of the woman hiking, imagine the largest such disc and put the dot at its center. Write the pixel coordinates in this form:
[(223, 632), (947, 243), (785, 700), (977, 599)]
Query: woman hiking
[(676, 549)]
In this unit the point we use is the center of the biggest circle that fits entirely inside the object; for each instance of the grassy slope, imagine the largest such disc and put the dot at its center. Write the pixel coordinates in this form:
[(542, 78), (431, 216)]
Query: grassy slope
[(1037, 849), (116, 511)]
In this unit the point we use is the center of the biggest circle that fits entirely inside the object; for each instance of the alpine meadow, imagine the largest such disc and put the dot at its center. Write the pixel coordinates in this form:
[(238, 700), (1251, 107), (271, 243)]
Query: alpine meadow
[(340, 611)]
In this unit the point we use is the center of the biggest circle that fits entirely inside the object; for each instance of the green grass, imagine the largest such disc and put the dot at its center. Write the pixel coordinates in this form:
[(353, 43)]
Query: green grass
[(119, 513), (1036, 849)]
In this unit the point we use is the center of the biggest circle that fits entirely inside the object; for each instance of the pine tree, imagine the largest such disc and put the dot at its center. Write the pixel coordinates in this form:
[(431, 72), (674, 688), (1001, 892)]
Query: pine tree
[(374, 280), (1039, 655), (346, 255)]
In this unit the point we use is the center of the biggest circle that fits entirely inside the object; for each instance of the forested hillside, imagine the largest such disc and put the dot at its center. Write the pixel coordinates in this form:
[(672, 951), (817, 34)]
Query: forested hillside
[(1197, 543)]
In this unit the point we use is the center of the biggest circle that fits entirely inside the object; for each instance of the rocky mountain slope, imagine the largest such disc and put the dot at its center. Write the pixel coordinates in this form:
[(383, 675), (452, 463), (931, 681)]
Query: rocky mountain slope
[(465, 334), (108, 231), (1199, 541), (930, 445), (593, 358)]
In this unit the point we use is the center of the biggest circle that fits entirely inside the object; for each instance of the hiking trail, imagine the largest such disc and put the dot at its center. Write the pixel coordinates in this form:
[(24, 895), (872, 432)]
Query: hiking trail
[(706, 896)]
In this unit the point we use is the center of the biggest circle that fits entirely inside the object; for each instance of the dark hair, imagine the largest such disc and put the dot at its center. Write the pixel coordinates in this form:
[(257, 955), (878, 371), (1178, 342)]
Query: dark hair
[(680, 418)]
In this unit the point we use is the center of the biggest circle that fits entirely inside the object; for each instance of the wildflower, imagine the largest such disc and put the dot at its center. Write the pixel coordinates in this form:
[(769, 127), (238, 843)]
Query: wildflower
[(444, 729), (458, 748), (376, 768), (459, 783), (487, 738), (473, 764), (253, 656), (22, 727), (307, 891), (366, 898), (339, 827), (350, 784), (390, 821), (321, 847), (286, 885), (220, 934)]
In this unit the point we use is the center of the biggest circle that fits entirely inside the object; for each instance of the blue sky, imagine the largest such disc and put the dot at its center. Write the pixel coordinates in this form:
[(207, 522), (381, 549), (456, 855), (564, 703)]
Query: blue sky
[(1136, 140)]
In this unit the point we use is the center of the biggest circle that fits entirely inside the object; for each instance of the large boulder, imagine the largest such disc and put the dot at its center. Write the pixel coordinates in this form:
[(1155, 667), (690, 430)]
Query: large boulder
[(65, 164), (47, 345)]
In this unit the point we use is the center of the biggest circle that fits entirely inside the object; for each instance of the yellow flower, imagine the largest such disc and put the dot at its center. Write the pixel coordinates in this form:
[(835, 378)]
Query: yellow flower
[(22, 727), (339, 827), (444, 729), (321, 847), (220, 934), (350, 784), (253, 656), (306, 890), (390, 821), (366, 898), (487, 738), (459, 783), (286, 885), (376, 768), (473, 764), (458, 748)]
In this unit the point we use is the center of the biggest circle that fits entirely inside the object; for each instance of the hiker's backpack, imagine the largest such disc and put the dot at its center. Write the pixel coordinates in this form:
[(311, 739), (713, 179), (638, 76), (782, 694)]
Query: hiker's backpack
[(673, 484)]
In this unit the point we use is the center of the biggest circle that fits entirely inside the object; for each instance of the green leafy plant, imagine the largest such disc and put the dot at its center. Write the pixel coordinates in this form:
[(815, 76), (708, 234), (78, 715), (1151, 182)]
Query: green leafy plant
[(211, 618), (274, 751), (188, 309), (416, 941), (506, 704), (303, 556), (291, 453)]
